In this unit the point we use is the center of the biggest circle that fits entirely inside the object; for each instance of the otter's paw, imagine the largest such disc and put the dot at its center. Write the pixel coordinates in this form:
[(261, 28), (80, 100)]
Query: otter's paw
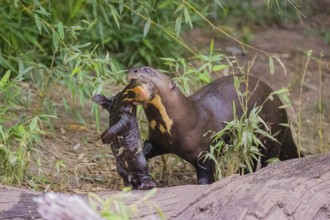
[(147, 184)]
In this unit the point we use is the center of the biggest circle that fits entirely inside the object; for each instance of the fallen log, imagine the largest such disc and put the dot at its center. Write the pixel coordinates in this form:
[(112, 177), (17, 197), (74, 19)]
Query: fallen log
[(293, 189)]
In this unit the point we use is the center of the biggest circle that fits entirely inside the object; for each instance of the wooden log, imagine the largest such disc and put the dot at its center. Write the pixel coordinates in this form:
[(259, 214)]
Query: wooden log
[(293, 189)]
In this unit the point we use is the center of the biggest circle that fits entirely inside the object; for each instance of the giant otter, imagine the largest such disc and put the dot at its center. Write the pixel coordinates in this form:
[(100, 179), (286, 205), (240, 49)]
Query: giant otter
[(124, 136), (177, 123)]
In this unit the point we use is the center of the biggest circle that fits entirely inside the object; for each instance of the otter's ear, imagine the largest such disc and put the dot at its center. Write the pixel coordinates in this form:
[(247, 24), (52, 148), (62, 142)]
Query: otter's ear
[(173, 85)]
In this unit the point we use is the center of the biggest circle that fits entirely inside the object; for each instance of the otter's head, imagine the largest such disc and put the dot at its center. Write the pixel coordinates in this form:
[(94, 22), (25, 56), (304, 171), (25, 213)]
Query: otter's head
[(150, 82)]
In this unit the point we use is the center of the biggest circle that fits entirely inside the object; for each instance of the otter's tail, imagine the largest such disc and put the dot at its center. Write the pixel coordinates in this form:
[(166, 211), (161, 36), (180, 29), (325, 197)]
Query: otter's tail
[(289, 149)]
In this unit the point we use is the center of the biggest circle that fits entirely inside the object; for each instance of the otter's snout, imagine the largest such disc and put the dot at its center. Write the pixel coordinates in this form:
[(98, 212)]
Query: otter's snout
[(140, 73)]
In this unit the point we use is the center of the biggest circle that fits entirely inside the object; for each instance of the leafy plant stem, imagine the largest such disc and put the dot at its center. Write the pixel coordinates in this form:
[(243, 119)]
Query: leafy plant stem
[(309, 53)]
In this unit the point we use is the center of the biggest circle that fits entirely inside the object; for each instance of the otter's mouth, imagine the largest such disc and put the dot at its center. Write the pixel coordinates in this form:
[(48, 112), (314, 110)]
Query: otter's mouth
[(140, 92)]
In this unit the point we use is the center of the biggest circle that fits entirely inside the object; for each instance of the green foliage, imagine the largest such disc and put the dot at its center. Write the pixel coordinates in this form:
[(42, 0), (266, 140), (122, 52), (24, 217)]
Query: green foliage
[(237, 146), (132, 32), (187, 76), (17, 133), (115, 207)]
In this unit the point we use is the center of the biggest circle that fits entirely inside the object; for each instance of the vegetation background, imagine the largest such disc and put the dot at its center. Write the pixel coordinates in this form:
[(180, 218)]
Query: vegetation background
[(54, 55)]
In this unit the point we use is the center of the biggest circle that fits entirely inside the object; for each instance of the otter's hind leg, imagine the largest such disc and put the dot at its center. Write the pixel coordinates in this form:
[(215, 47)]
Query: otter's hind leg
[(271, 151), (205, 172)]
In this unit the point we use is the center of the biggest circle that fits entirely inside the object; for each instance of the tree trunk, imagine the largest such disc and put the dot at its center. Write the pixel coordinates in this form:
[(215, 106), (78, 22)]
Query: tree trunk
[(293, 189)]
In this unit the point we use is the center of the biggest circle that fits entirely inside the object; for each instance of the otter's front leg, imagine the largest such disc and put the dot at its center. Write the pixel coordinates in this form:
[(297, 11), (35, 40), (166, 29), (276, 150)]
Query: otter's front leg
[(150, 150), (205, 171)]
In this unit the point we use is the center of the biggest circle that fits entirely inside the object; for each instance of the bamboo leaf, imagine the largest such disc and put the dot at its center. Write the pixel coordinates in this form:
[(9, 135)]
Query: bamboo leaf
[(55, 40), (285, 106), (38, 22), (121, 6), (178, 23), (219, 67), (271, 65), (187, 17), (115, 15), (146, 28), (75, 70), (211, 46), (60, 30), (5, 78), (280, 91), (76, 8), (282, 64), (2, 135), (33, 123)]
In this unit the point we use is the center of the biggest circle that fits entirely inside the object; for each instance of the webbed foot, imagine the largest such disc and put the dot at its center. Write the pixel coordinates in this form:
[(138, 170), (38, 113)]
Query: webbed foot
[(147, 184)]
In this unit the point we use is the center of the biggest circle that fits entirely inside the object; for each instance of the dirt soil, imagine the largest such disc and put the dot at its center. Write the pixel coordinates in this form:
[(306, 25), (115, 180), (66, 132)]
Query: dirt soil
[(90, 166)]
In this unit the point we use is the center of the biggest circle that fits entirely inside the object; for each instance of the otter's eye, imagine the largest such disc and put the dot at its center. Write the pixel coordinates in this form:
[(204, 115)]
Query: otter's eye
[(135, 71), (147, 70)]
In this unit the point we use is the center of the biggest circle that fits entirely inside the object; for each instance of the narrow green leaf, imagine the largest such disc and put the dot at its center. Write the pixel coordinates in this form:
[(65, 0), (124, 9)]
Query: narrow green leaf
[(280, 91), (285, 106), (245, 139), (75, 56), (115, 15), (60, 30), (25, 71), (179, 9), (204, 78), (285, 125), (121, 6), (5, 78), (38, 22), (148, 44), (55, 39), (146, 28), (187, 17), (33, 123), (75, 70), (168, 59), (76, 8), (219, 4), (271, 65), (211, 46), (219, 67), (282, 64), (2, 134), (309, 53), (65, 104), (178, 23)]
